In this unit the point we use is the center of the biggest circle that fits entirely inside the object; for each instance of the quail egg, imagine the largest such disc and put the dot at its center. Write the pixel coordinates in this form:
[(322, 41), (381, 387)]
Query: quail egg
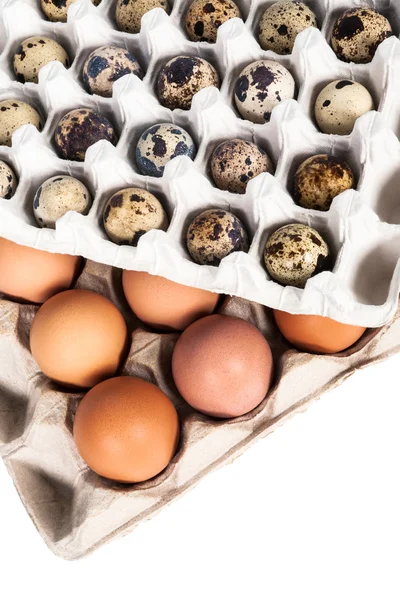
[(204, 17), (14, 114), (319, 179), (294, 253), (160, 144), (339, 105), (235, 162), (8, 181), (132, 212), (357, 34), (33, 54), (282, 22), (260, 87), (107, 64), (79, 129), (57, 10), (181, 78), (57, 196), (129, 13), (214, 234)]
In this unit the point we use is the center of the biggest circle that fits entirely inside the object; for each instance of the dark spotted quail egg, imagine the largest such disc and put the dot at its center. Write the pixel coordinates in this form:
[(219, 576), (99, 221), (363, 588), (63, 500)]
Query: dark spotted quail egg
[(260, 87), (181, 78), (57, 196), (282, 22), (33, 54), (14, 114), (294, 253), (339, 105), (132, 212), (319, 179), (235, 162), (160, 144), (214, 234), (57, 10), (107, 64), (204, 17), (8, 181), (79, 129), (357, 34), (129, 13)]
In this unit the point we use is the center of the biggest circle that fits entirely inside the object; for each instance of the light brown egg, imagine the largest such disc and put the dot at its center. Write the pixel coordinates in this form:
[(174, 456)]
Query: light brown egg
[(313, 333), (222, 366), (126, 429), (78, 338), (33, 275)]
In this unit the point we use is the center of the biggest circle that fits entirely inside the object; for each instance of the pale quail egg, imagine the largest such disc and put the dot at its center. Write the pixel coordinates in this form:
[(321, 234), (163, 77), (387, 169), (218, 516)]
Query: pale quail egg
[(57, 196), (340, 104), (79, 129), (33, 54), (14, 114), (214, 234), (132, 212), (260, 87), (129, 13), (319, 179), (282, 22), (107, 64), (181, 78), (159, 144), (57, 10), (357, 34), (235, 162), (8, 181), (294, 253), (205, 16)]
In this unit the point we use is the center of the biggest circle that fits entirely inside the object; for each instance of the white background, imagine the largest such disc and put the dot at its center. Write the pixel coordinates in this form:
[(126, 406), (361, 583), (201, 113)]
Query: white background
[(310, 512)]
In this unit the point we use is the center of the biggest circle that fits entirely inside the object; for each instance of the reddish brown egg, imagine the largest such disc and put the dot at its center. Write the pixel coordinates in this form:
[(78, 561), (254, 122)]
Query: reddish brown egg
[(222, 366), (126, 429)]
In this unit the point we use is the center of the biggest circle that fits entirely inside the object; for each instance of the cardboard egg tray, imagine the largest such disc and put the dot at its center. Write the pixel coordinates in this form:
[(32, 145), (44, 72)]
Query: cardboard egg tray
[(74, 509)]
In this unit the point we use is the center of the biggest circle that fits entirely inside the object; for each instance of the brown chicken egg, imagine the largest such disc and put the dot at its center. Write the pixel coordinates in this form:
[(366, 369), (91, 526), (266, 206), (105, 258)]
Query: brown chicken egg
[(126, 429)]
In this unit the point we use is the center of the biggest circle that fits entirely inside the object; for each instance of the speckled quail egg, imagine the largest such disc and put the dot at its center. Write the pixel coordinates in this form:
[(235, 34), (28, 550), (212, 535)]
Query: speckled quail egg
[(235, 162), (132, 212), (260, 87), (14, 114), (107, 64), (181, 78), (33, 54), (214, 234), (339, 105), (8, 181), (161, 143), (57, 10), (79, 129), (129, 13), (294, 253), (357, 34), (204, 17), (57, 196), (319, 179), (282, 22)]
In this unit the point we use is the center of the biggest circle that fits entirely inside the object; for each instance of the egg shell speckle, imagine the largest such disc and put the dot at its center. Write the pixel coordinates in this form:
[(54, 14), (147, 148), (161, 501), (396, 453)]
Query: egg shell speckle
[(181, 78), (294, 253), (57, 10), (8, 181), (14, 114), (261, 86), (159, 144), (107, 64), (282, 22), (319, 179), (132, 212), (340, 104), (79, 129), (357, 34), (214, 234), (235, 162), (129, 13), (57, 196), (33, 54), (204, 17)]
